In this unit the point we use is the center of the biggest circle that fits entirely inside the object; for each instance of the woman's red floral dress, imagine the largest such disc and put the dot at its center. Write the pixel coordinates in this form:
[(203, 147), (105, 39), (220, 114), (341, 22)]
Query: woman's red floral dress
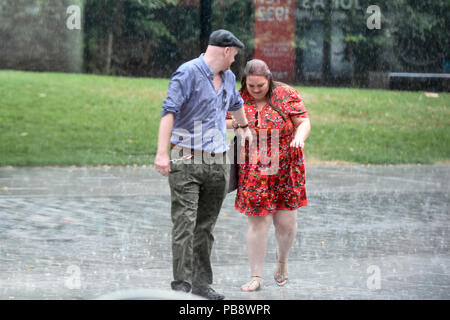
[(265, 187)]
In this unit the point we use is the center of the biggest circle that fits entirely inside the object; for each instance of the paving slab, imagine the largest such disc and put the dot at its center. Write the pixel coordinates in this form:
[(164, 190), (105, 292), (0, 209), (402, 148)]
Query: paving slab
[(369, 232)]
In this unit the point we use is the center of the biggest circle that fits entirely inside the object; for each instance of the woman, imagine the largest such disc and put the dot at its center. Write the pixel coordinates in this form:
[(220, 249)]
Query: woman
[(271, 107)]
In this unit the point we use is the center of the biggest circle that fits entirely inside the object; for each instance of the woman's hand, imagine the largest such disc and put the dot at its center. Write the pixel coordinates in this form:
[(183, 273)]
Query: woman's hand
[(303, 127), (297, 142)]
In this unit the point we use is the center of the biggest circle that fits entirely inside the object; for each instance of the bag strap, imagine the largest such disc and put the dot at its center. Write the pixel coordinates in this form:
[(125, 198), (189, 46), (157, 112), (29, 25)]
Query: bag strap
[(276, 108), (281, 113)]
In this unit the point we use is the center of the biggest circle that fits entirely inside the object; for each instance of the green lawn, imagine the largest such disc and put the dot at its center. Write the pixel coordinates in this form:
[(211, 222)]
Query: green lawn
[(71, 119)]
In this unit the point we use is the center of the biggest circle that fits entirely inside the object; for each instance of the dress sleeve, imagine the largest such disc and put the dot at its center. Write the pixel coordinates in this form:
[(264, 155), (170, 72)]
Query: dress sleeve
[(294, 105)]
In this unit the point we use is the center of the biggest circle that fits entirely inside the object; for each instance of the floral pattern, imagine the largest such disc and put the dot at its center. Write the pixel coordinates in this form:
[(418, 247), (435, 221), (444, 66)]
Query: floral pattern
[(265, 187)]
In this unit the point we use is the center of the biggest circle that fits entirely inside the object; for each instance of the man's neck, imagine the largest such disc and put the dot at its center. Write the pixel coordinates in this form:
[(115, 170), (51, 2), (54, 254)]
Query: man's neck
[(212, 64), (211, 58)]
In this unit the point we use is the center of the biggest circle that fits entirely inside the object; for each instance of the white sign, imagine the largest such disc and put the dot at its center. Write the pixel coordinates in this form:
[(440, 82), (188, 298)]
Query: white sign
[(337, 4)]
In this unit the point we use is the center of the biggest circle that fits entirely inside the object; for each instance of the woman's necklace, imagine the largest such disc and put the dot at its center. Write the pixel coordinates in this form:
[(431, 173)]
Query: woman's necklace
[(260, 104)]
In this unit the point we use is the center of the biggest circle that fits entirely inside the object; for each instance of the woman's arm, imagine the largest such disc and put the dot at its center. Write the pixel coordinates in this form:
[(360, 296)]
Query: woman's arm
[(303, 127)]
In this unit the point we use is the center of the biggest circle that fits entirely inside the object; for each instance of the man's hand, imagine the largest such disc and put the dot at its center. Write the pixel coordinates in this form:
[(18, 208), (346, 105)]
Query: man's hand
[(162, 164), (241, 119), (162, 160)]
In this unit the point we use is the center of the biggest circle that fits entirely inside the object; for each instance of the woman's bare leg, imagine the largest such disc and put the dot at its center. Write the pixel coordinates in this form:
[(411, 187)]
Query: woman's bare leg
[(258, 228), (285, 223)]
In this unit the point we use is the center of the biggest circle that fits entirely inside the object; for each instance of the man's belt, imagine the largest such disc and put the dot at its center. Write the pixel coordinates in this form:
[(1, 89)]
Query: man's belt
[(194, 151)]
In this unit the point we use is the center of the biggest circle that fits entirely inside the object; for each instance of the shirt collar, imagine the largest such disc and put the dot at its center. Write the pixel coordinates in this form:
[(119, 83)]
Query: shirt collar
[(205, 68)]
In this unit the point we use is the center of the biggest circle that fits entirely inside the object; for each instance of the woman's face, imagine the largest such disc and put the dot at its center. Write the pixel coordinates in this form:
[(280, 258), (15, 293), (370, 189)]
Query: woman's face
[(257, 86)]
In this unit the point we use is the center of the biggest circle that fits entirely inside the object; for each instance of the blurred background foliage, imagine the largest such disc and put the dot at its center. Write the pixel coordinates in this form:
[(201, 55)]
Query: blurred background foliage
[(150, 38)]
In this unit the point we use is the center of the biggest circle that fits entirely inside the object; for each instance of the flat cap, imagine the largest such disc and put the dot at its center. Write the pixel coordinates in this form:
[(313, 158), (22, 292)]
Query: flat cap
[(224, 38)]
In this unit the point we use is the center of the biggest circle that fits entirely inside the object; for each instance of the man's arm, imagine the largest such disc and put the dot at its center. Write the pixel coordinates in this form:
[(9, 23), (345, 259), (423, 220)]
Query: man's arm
[(162, 160), (239, 116), (241, 119)]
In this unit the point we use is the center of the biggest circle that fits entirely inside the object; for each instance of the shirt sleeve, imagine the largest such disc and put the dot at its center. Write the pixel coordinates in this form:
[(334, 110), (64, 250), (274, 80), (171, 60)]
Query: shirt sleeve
[(236, 101), (294, 105), (180, 87)]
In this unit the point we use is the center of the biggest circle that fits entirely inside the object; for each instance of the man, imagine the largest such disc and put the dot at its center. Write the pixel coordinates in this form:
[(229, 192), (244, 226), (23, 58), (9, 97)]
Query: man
[(193, 115)]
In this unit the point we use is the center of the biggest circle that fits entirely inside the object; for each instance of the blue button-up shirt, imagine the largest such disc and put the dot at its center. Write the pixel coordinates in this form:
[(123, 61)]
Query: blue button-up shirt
[(199, 109)]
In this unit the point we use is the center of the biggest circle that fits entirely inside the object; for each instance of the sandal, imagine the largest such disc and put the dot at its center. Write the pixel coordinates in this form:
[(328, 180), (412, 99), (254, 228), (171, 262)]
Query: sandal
[(250, 283), (280, 278)]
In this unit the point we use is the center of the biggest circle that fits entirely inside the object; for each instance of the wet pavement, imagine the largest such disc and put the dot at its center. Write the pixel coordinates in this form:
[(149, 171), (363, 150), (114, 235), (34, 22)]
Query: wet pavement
[(369, 232)]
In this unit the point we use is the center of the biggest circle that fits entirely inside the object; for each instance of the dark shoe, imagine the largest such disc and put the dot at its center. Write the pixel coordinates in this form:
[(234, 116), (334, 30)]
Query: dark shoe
[(180, 285), (207, 293)]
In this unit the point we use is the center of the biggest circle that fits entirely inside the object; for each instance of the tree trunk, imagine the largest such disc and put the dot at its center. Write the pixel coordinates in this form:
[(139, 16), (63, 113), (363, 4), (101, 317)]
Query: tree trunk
[(351, 62), (326, 60), (109, 53), (205, 23), (115, 31)]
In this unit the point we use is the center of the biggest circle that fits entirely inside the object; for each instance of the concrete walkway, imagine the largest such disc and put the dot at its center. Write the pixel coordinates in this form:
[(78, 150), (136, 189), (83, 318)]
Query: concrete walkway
[(370, 232)]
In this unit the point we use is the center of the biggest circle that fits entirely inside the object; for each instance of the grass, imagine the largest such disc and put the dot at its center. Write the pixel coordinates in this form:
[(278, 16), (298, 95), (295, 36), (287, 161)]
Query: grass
[(378, 126), (73, 119)]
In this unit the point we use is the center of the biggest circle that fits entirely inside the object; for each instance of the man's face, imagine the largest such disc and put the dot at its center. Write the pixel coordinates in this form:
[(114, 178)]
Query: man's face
[(230, 54)]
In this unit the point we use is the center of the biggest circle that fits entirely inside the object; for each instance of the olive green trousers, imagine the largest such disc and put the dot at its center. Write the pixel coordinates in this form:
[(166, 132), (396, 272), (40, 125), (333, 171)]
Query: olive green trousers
[(197, 193)]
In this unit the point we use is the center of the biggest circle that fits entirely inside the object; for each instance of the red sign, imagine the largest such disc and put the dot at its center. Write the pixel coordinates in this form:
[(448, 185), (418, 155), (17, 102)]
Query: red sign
[(275, 36)]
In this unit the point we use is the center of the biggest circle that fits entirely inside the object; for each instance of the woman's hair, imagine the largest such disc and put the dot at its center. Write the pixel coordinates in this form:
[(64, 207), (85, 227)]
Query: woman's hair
[(258, 67)]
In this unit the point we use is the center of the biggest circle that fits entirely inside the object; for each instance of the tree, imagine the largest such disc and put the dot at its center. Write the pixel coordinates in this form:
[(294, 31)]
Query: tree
[(34, 36), (414, 37), (236, 16), (422, 31), (125, 33)]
